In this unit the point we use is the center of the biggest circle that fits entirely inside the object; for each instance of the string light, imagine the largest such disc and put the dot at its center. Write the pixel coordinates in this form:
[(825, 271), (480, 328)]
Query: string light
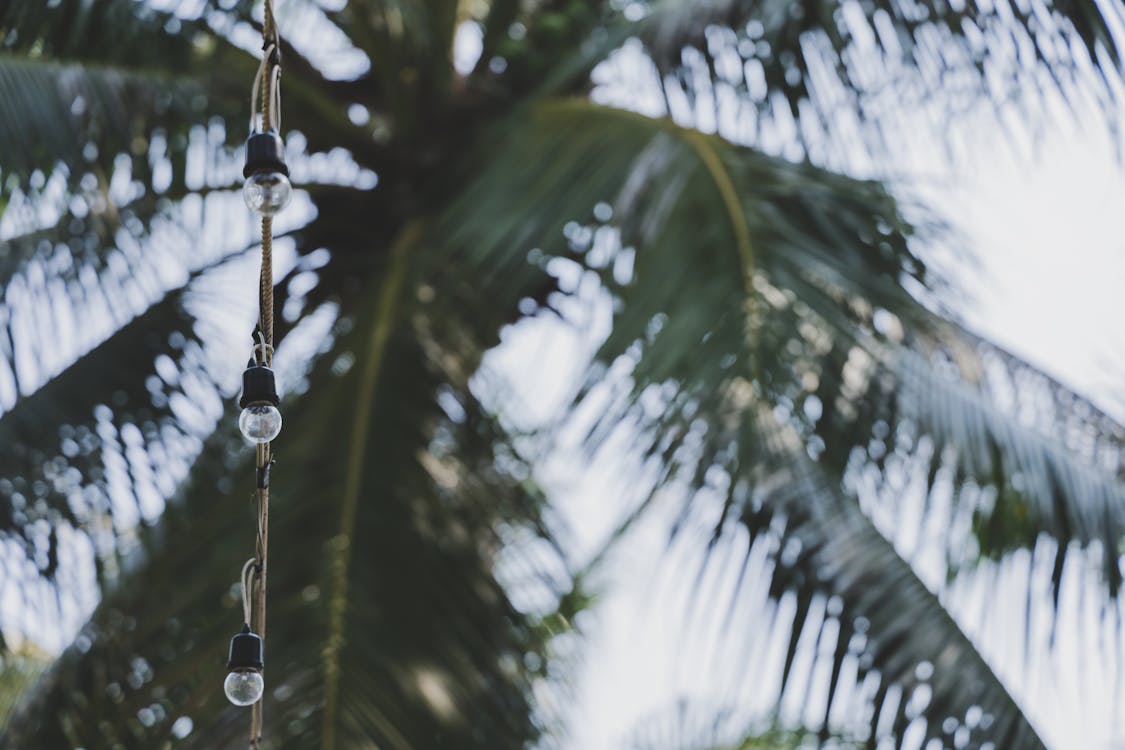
[(260, 421), (244, 685), (267, 191)]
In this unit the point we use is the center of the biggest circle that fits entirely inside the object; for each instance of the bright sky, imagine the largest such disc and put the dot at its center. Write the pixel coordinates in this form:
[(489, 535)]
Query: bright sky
[(1050, 233), (1045, 224)]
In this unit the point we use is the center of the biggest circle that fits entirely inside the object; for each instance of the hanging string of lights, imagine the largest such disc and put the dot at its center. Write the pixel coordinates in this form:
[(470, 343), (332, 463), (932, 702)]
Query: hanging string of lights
[(267, 190)]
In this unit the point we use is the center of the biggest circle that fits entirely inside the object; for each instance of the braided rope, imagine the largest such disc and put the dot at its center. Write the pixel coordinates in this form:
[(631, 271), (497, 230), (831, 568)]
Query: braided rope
[(265, 290), (268, 98)]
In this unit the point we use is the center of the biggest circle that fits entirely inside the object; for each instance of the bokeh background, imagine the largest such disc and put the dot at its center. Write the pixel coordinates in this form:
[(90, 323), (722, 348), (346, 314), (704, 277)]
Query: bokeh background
[(711, 374)]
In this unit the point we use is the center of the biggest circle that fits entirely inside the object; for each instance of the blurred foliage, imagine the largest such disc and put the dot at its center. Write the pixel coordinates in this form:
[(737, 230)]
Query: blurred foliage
[(774, 355), (687, 726)]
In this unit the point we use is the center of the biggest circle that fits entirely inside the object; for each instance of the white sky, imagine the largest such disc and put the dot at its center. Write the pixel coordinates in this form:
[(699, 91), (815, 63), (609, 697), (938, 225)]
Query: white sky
[(1050, 233)]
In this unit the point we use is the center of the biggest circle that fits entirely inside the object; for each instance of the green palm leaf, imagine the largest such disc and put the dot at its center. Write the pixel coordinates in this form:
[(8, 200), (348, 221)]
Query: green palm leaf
[(111, 320), (749, 280), (425, 649), (1059, 470), (842, 554), (72, 113), (866, 63), (97, 31)]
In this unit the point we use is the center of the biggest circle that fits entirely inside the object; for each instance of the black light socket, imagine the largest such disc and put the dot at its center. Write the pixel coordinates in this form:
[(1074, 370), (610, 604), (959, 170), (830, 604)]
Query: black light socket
[(258, 387), (245, 652), (265, 153)]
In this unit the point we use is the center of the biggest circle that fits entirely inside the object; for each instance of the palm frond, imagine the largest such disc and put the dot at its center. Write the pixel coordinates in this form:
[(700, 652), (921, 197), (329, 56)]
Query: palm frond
[(74, 113), (828, 66), (75, 107), (109, 324), (113, 385), (742, 280), (829, 261), (1057, 464), (109, 32), (431, 652), (840, 553)]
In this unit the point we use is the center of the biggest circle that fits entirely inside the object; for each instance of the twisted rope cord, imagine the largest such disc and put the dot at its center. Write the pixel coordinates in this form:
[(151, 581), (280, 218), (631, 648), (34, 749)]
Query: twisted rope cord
[(265, 290), (269, 22), (269, 73)]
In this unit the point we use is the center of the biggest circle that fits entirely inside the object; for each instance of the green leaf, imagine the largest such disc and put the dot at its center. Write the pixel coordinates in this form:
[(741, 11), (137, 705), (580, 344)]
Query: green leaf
[(846, 59), (431, 652), (841, 554), (742, 282), (73, 113), (96, 31)]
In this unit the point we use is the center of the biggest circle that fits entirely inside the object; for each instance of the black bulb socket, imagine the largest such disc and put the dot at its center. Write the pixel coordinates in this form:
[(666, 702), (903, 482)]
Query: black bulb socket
[(245, 652), (258, 387), (265, 153)]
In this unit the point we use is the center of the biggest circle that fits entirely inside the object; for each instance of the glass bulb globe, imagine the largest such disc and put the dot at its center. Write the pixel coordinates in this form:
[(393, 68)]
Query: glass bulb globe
[(244, 688), (260, 423), (266, 193)]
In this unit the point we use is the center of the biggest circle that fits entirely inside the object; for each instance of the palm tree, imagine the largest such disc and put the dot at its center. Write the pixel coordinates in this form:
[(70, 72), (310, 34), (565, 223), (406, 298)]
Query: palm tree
[(778, 332)]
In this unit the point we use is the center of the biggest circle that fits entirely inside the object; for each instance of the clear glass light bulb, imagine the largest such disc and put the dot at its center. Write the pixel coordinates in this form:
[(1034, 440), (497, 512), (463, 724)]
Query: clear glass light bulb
[(244, 688), (266, 193), (260, 423)]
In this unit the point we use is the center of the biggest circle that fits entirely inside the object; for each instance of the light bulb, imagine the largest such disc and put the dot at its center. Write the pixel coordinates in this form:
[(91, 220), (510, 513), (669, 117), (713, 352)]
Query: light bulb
[(260, 423), (267, 192), (244, 688)]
